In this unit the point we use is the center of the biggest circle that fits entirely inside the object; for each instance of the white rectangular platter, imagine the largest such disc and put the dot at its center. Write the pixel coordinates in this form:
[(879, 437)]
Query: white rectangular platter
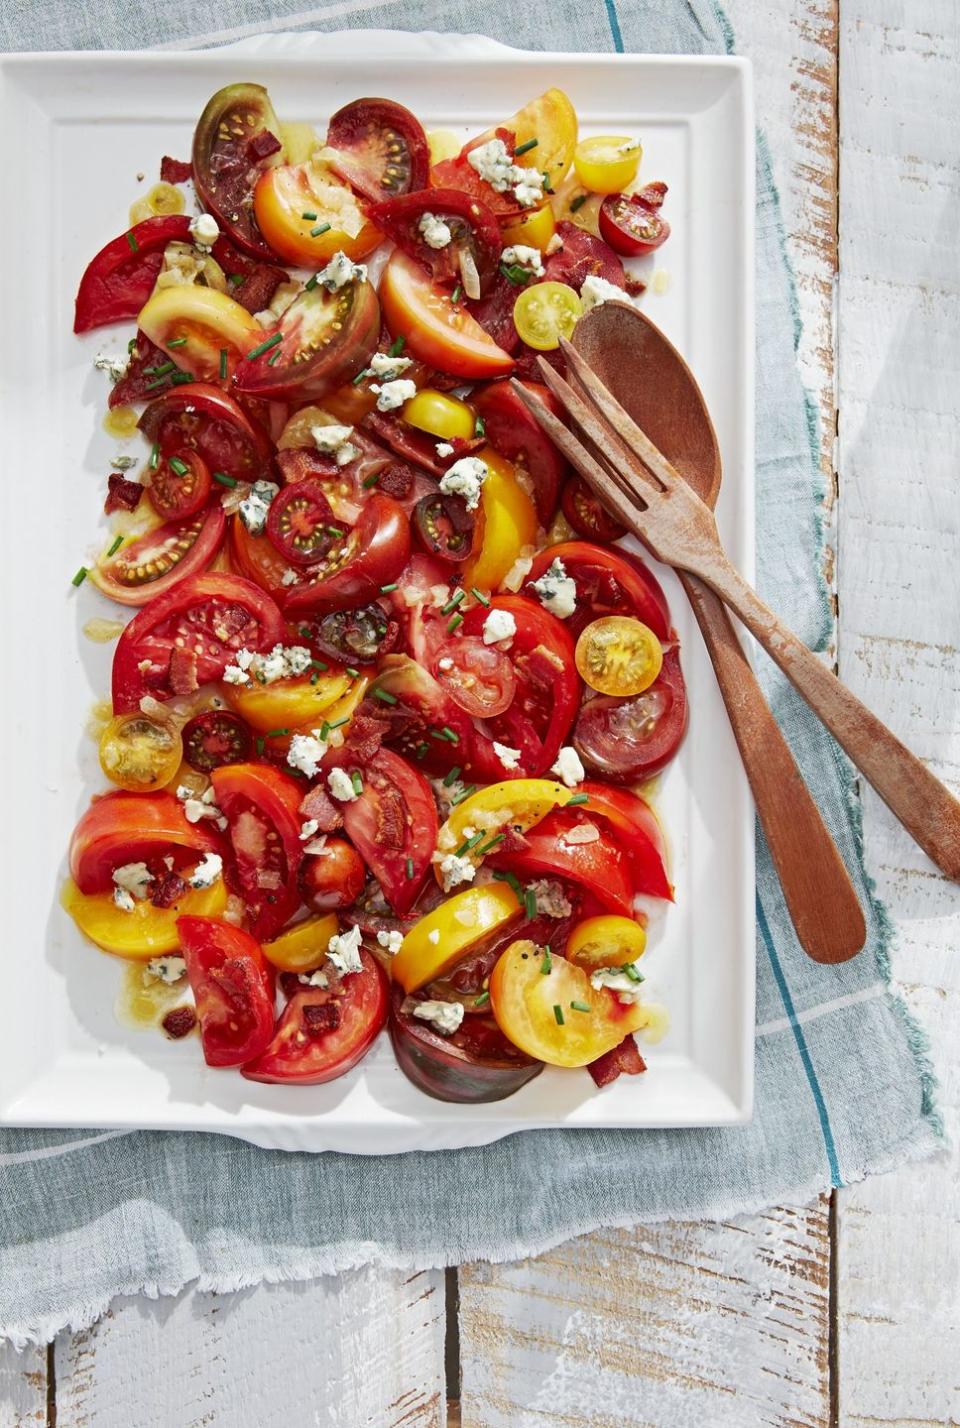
[(96, 121)]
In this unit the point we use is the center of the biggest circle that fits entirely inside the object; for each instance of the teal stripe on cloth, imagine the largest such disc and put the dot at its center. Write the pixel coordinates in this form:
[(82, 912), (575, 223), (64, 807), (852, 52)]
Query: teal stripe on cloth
[(87, 1216)]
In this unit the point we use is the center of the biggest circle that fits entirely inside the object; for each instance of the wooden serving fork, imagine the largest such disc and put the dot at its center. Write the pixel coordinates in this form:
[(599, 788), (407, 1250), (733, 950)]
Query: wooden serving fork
[(642, 489)]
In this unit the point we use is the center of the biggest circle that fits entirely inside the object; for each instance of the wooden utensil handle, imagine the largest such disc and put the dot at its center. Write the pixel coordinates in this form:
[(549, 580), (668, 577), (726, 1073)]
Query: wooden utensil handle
[(924, 806), (816, 885)]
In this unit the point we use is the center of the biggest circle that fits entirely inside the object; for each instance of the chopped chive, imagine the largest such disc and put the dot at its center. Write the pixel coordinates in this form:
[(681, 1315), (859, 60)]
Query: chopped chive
[(353, 673), (157, 382), (311, 283), (275, 733), (479, 427), (180, 377), (224, 479), (497, 838), (481, 1000), (558, 1014), (131, 345), (578, 202), (630, 971), (581, 1006), (447, 733), (453, 602), (547, 964), (420, 750), (547, 185), (357, 782), (510, 878), (178, 342), (577, 798), (236, 279), (324, 731), (467, 844), (320, 228), (310, 217), (272, 361), (115, 545), (385, 589), (479, 595), (384, 695), (223, 362), (337, 723), (260, 745), (454, 623), (525, 148), (155, 456), (456, 294), (397, 346), (319, 664), (80, 576), (452, 776), (180, 467), (333, 530), (364, 372), (133, 243), (264, 346), (463, 794), (530, 903), (162, 370), (369, 481), (516, 274), (409, 869)]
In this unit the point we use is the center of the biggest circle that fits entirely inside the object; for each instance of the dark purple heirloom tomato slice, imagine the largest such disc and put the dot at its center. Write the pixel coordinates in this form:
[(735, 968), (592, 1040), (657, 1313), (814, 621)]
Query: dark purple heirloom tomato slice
[(582, 256), (225, 167), (200, 417), (444, 527), (322, 341), (118, 281), (180, 485), (360, 636), (474, 243), (215, 738), (475, 1064), (380, 148), (586, 514)]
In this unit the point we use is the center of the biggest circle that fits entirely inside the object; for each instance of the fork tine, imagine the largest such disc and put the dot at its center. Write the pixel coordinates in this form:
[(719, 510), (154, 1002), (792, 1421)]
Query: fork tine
[(592, 427)]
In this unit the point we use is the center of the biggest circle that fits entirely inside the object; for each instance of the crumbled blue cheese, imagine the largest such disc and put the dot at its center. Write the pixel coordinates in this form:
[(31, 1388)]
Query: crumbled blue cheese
[(334, 440), (133, 878), (123, 900), (313, 979), (388, 367), (530, 190), (308, 829), (597, 290), (392, 395), (255, 507), (445, 1016), (454, 870), (340, 271), (465, 478), (521, 256), (551, 900), (390, 940), (626, 986), (282, 662), (492, 161), (204, 230), (444, 449), (343, 950), (434, 232), (568, 767), (115, 367), (122, 463), (289, 576), (499, 625), (305, 753), (233, 675), (510, 758), (167, 969), (197, 806), (556, 590), (341, 786), (206, 873)]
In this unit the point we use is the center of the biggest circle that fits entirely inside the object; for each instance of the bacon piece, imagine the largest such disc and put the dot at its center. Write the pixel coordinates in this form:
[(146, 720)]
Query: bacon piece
[(623, 1059), (262, 145), (320, 1017), (634, 286), (167, 890), (175, 170), (183, 672), (137, 384), (260, 280), (414, 446), (582, 256), (179, 1022), (365, 735), (318, 805), (122, 495), (396, 480), (391, 817)]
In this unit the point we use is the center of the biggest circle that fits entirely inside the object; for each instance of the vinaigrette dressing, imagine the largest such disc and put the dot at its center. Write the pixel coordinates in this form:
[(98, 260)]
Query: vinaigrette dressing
[(121, 422)]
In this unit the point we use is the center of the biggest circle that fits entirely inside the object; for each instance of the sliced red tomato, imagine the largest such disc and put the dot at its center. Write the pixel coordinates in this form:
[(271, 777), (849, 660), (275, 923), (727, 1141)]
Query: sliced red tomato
[(117, 282), (200, 417), (133, 828), (631, 223), (188, 635), (324, 1031), (379, 147), (458, 173), (180, 485), (444, 527), (347, 488), (512, 431), (323, 340), (494, 313), (233, 987), (437, 330), (301, 523), (477, 1063), (394, 826), (609, 582), (422, 711), (224, 165), (478, 678), (471, 255), (638, 833), (334, 877), (262, 806), (162, 558), (586, 513), (635, 738), (358, 565), (582, 256), (139, 382), (256, 558), (600, 866), (214, 738)]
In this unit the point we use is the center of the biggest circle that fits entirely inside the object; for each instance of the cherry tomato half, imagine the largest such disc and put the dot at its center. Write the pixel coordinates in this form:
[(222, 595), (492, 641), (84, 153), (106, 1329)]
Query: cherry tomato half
[(607, 163), (545, 312), (161, 559), (334, 877), (233, 988), (444, 527), (325, 339), (140, 752), (222, 161), (180, 485), (379, 147), (618, 655), (360, 636), (359, 564), (301, 523), (631, 223), (478, 678), (202, 418), (214, 738), (586, 513)]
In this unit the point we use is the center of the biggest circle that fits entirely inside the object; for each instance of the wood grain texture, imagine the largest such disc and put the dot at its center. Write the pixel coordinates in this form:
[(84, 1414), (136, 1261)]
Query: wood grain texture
[(362, 1350), (672, 1326), (23, 1387), (898, 1263)]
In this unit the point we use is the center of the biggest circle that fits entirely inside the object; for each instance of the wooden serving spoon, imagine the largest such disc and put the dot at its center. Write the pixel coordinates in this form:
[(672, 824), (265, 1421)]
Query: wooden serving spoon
[(652, 382)]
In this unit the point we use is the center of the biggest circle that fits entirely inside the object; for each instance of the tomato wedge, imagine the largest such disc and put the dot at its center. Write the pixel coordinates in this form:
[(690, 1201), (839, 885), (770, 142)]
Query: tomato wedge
[(600, 866), (609, 582), (262, 806), (224, 166), (323, 340), (187, 636), (437, 330), (379, 147), (475, 1065), (233, 987), (200, 417), (337, 222), (472, 235), (358, 565), (586, 514), (512, 431), (179, 485), (394, 826), (421, 708), (132, 828), (159, 560), (324, 1031), (635, 738), (638, 833), (118, 281)]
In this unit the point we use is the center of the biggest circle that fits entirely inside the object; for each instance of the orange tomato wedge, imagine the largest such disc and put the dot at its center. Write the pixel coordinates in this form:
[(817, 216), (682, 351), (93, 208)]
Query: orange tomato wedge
[(437, 330)]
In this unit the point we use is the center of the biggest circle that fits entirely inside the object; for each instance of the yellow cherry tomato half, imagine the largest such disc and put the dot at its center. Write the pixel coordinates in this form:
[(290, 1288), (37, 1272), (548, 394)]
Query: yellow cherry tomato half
[(210, 321), (146, 931), (287, 703), (438, 941), (607, 163), (303, 947), (534, 230), (618, 655), (307, 215), (443, 144), (519, 802), (439, 415), (506, 522), (140, 752), (606, 941), (547, 1007), (545, 312)]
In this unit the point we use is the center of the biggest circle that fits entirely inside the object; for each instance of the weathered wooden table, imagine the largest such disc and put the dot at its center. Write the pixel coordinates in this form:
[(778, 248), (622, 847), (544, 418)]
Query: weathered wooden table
[(846, 1312)]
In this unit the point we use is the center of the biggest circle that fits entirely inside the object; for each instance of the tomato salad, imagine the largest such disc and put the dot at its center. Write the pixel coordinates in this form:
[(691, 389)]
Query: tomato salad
[(388, 690)]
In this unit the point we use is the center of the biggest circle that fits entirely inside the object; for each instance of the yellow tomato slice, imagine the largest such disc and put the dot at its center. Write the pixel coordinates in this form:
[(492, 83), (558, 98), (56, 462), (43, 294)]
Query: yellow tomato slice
[(547, 1007), (439, 940), (545, 312), (552, 120), (140, 752), (506, 522), (439, 414), (607, 163), (288, 703), (606, 941), (210, 321), (618, 655), (534, 230), (572, 203), (302, 947), (145, 932), (519, 802), (307, 215)]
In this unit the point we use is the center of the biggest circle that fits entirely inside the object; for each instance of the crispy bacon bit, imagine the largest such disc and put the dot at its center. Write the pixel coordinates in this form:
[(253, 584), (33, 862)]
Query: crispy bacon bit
[(175, 170), (179, 1022), (135, 386), (623, 1059), (256, 291), (396, 480), (634, 286), (320, 1017), (318, 805), (167, 890), (262, 145), (405, 441), (122, 495), (183, 672), (465, 446), (365, 735), (653, 194), (539, 669)]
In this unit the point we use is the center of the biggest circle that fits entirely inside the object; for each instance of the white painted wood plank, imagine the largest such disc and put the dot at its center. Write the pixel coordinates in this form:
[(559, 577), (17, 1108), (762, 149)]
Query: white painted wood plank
[(671, 1326), (899, 336), (23, 1387), (362, 1350)]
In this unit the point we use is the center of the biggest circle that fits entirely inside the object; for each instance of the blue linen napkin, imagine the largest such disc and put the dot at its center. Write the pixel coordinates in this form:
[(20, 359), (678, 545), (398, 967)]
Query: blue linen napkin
[(843, 1089)]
